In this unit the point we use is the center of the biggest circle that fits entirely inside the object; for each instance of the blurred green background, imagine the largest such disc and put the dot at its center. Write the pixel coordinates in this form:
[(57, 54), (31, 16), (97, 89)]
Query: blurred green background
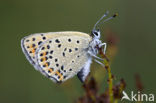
[(135, 27)]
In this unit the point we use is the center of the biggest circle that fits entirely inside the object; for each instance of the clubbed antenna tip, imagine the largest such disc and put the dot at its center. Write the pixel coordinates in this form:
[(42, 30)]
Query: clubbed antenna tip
[(116, 14)]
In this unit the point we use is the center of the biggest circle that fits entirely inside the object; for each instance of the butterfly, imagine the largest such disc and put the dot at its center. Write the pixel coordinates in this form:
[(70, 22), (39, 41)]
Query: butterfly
[(62, 55)]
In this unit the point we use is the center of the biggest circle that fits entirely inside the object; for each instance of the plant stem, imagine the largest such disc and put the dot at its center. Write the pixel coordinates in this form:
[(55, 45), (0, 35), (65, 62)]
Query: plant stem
[(110, 83), (110, 79)]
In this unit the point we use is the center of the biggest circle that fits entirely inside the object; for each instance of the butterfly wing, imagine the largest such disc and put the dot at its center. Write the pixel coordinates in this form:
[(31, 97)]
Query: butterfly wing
[(31, 43), (60, 58)]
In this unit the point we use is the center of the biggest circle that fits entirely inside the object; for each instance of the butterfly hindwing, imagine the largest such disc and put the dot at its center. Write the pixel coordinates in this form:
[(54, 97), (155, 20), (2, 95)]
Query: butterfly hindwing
[(60, 58)]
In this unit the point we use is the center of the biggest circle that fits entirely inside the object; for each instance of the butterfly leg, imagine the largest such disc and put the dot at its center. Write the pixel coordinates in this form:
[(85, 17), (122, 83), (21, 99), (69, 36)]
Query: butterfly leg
[(105, 45), (99, 62), (94, 55)]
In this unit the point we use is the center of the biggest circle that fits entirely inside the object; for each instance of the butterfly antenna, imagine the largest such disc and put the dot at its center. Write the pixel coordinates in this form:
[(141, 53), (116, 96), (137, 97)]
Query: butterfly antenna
[(98, 22), (107, 12)]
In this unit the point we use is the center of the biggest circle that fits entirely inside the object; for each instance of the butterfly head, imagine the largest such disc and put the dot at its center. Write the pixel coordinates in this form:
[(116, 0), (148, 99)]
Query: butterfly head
[(96, 33)]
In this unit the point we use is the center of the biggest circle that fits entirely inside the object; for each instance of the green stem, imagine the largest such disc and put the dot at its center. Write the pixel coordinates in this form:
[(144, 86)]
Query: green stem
[(110, 83)]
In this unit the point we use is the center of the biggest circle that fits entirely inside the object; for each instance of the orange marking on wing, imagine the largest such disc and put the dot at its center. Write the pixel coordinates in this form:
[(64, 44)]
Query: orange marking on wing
[(44, 54), (59, 74), (50, 70), (61, 77), (33, 51), (46, 64), (31, 46), (44, 59)]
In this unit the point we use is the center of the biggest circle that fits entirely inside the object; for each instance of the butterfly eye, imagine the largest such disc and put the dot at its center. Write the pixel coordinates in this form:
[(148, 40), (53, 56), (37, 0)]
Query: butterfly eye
[(95, 33)]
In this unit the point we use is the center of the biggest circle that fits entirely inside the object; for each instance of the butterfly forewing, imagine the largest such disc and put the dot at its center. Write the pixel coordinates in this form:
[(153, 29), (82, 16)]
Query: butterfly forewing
[(62, 57), (31, 43)]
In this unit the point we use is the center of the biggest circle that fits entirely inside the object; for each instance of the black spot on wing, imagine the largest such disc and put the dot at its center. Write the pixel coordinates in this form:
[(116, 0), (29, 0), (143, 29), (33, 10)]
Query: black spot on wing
[(57, 65), (41, 54), (62, 67), (70, 50), (59, 45), (56, 60), (76, 49), (44, 38), (57, 41), (50, 41), (78, 41), (39, 42), (33, 39), (69, 40), (43, 48), (51, 52), (50, 57), (27, 40), (48, 46), (63, 54)]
